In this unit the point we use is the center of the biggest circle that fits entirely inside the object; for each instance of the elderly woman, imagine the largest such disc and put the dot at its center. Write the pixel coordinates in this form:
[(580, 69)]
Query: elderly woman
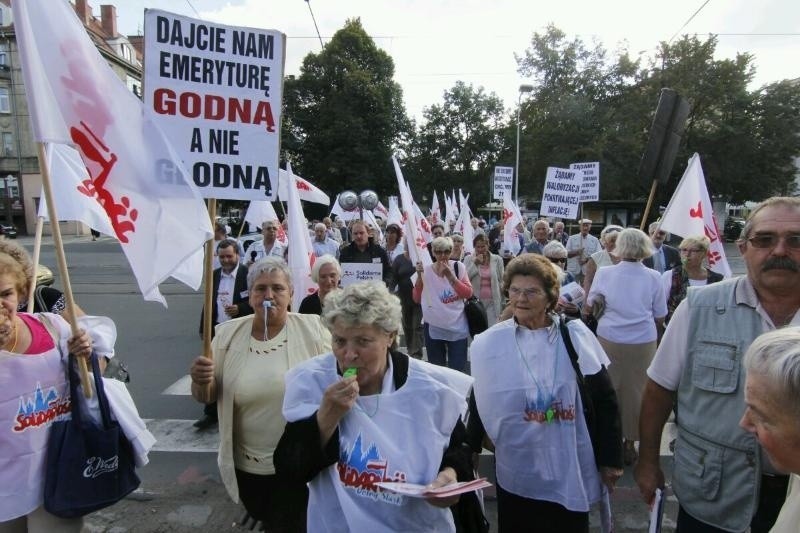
[(690, 273), (543, 398), (772, 401), (458, 247), (556, 253), (485, 271), (602, 258), (245, 378), (349, 425), (33, 361), (441, 293), (326, 273), (634, 307)]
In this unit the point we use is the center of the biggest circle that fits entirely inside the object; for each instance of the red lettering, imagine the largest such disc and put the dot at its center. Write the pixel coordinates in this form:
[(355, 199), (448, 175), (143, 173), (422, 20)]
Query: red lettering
[(189, 105)]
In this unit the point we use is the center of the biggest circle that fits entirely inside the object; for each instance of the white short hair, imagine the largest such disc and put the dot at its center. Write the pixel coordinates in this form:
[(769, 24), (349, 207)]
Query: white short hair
[(775, 355)]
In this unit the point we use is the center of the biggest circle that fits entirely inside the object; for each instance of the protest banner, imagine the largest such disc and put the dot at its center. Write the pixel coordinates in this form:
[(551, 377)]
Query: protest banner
[(590, 186), (562, 191), (503, 181), (355, 272), (216, 91)]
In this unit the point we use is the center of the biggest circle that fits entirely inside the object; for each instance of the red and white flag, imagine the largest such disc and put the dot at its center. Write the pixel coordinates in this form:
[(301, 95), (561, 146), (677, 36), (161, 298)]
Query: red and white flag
[(75, 99), (307, 190), (301, 254), (511, 219), (381, 211), (416, 244), (690, 213), (424, 227), (436, 210), (340, 213), (67, 173), (464, 224)]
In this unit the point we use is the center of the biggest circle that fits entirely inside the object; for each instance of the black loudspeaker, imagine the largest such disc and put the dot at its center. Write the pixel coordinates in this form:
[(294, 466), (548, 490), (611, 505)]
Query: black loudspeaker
[(665, 137)]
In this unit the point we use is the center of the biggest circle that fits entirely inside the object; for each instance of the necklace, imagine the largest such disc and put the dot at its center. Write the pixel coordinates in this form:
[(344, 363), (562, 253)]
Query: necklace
[(549, 412), (16, 338), (377, 405)]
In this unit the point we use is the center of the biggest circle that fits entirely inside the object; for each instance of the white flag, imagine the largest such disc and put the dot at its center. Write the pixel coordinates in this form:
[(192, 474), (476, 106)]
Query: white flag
[(689, 213), (394, 217), (416, 244), (307, 191), (424, 227), (301, 254), (340, 213), (511, 219), (436, 210), (381, 211), (76, 99), (464, 224), (258, 212), (68, 173)]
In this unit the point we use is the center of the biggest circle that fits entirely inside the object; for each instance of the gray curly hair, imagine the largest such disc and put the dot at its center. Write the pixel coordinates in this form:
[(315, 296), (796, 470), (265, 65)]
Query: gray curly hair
[(365, 303), (266, 265)]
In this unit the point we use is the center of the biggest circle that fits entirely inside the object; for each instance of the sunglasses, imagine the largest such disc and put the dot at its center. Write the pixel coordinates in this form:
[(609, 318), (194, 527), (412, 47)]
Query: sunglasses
[(771, 240)]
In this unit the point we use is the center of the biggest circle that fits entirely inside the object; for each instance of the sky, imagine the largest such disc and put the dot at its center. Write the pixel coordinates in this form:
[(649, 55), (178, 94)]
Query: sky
[(435, 43)]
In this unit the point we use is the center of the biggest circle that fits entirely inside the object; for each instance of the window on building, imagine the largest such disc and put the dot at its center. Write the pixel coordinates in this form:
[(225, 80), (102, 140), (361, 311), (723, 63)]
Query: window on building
[(126, 53), (3, 50), (5, 101), (8, 144)]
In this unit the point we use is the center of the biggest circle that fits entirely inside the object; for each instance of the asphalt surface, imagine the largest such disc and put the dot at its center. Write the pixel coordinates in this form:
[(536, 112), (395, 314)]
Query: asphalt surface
[(181, 488)]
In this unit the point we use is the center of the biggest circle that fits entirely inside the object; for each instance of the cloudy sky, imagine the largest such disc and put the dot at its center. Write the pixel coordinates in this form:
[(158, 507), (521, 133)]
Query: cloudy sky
[(434, 43)]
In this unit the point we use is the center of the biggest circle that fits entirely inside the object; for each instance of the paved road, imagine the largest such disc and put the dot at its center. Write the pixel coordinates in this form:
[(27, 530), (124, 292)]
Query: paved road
[(181, 489)]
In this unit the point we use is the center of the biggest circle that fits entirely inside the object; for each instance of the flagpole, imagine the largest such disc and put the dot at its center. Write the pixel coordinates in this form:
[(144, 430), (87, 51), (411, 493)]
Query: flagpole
[(649, 204), (37, 245), (62, 262), (208, 280)]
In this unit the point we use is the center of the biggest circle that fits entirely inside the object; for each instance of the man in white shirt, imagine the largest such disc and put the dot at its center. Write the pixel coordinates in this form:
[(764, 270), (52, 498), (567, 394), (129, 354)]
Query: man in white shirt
[(580, 248), (267, 246), (322, 243)]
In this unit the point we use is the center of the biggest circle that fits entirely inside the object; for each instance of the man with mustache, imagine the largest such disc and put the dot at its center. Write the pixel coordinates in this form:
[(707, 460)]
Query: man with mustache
[(721, 478)]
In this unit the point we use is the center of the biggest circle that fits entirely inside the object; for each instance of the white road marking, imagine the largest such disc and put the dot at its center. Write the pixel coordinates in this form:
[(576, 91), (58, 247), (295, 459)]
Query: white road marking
[(182, 387), (181, 436)]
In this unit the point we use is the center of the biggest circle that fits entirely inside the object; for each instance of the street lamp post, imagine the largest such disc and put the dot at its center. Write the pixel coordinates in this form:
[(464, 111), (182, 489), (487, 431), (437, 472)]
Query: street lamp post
[(522, 89)]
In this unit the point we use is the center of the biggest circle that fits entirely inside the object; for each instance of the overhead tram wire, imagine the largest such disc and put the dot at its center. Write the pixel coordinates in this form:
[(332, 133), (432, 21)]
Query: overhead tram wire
[(688, 21), (313, 18), (193, 9)]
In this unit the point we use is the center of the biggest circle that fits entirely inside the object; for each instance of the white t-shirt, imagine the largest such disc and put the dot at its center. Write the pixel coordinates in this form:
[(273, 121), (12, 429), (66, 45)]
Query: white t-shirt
[(666, 281), (634, 296), (590, 245), (667, 366)]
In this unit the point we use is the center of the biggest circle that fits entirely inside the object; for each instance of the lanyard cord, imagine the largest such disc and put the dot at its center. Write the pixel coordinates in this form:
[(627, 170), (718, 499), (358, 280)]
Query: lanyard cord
[(550, 412)]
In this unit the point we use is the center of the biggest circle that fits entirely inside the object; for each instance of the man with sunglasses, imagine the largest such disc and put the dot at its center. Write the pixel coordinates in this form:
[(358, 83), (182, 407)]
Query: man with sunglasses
[(722, 479), (665, 257)]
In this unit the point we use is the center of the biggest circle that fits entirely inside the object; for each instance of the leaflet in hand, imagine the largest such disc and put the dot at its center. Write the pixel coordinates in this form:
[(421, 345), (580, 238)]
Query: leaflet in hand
[(572, 293), (657, 512), (424, 491)]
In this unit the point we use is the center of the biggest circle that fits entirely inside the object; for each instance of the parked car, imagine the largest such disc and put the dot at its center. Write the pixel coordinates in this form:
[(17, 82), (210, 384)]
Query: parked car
[(733, 228), (9, 231), (44, 276)]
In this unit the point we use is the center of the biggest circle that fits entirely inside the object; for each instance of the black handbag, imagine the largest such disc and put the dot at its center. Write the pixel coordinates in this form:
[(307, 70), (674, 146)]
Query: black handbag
[(88, 467), (477, 320)]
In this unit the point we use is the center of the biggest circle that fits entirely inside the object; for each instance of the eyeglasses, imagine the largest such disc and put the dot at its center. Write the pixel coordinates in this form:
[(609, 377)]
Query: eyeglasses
[(692, 251), (516, 292), (557, 259), (443, 251), (771, 240)]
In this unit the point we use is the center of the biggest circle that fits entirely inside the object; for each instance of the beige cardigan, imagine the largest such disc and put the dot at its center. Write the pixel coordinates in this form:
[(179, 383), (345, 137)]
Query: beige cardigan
[(496, 266), (307, 337)]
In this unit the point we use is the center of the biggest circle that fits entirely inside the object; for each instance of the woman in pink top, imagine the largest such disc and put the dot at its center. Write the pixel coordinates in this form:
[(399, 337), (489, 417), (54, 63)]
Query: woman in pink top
[(35, 394)]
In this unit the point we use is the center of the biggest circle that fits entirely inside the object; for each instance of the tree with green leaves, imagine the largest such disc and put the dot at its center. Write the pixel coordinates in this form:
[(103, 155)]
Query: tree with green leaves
[(458, 142), (344, 114)]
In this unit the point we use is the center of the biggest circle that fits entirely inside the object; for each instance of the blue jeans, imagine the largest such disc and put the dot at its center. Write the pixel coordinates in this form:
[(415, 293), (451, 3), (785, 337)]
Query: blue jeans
[(452, 354)]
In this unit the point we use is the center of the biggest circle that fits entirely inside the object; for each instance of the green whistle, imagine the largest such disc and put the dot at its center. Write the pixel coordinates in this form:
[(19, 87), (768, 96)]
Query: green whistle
[(352, 371)]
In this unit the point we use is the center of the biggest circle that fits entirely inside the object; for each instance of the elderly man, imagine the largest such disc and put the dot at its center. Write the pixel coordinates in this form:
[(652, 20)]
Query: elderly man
[(541, 230), (322, 243), (772, 399), (476, 227), (580, 248), (332, 232), (361, 250), (267, 246), (665, 257), (722, 480), (220, 234), (559, 234)]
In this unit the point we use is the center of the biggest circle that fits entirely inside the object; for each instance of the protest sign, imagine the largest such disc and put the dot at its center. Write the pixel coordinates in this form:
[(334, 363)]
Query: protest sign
[(216, 91), (503, 181), (590, 187), (355, 272), (562, 191)]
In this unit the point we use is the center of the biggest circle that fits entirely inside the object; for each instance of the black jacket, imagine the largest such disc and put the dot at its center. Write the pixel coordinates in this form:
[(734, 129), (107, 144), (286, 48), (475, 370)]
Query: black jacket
[(672, 258), (239, 288), (351, 254)]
